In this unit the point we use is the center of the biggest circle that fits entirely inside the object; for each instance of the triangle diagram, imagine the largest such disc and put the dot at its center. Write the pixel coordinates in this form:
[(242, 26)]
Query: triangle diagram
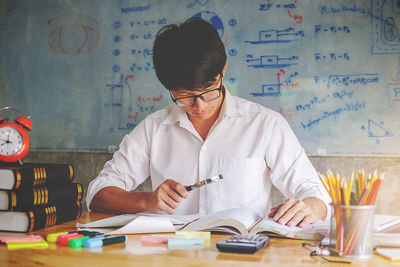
[(377, 130)]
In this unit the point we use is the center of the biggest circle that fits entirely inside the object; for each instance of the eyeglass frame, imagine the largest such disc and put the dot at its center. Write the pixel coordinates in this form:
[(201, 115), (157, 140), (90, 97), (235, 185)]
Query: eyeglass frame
[(194, 97)]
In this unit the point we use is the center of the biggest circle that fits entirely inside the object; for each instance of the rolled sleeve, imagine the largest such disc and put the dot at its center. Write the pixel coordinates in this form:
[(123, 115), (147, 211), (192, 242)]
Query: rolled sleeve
[(128, 168), (291, 170)]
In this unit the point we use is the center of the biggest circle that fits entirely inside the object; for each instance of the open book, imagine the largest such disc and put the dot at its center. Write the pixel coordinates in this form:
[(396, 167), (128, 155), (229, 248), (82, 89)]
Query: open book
[(386, 230), (250, 221), (139, 223), (233, 221)]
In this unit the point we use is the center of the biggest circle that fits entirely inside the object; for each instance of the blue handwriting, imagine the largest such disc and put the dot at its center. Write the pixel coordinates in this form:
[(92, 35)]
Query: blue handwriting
[(334, 115)]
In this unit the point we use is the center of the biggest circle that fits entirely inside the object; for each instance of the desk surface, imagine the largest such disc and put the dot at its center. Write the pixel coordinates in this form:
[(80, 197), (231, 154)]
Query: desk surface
[(282, 252)]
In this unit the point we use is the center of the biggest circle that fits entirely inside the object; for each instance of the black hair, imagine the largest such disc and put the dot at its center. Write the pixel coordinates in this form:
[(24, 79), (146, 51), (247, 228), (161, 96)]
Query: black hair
[(188, 56)]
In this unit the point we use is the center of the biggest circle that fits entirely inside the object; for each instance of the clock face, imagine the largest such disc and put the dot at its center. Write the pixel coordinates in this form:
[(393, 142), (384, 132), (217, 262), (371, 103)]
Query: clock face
[(10, 141)]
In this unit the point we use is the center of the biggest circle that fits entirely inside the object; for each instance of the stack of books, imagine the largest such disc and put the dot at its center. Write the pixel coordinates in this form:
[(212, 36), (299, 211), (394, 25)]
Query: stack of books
[(36, 195)]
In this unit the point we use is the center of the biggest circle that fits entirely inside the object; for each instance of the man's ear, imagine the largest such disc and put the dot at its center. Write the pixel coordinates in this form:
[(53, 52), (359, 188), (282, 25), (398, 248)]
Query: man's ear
[(224, 69)]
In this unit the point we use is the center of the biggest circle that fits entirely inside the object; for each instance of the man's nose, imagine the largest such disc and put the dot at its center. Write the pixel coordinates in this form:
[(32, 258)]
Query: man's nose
[(199, 104)]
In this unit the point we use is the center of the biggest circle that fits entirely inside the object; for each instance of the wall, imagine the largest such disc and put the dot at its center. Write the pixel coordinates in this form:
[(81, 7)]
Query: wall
[(84, 71)]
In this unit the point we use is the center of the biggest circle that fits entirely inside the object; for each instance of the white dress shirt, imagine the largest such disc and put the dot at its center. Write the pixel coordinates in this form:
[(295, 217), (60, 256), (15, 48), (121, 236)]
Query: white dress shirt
[(252, 146)]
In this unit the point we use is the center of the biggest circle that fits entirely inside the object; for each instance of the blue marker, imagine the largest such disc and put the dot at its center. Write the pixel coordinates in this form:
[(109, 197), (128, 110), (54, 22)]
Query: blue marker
[(101, 241), (86, 242)]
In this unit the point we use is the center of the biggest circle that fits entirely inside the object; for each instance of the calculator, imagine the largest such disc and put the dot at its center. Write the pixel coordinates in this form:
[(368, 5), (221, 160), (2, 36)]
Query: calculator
[(248, 244)]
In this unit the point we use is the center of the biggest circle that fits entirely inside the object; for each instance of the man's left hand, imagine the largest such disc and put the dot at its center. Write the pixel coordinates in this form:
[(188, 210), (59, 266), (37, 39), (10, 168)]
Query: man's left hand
[(300, 213)]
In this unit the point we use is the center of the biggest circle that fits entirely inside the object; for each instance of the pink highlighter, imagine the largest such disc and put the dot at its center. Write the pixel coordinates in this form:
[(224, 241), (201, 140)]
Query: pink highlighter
[(61, 237)]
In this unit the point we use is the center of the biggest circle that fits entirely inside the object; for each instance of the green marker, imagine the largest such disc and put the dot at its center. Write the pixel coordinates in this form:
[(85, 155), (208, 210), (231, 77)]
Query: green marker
[(77, 242)]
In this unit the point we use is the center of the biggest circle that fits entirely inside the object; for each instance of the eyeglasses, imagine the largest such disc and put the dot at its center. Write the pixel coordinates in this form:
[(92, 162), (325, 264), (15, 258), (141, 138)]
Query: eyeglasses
[(191, 100), (322, 252)]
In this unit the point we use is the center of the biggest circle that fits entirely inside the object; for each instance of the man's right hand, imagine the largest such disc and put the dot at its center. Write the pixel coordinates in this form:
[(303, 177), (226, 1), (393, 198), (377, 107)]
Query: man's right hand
[(167, 197)]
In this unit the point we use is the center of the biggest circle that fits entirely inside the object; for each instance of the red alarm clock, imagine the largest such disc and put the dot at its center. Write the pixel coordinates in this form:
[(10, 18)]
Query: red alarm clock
[(14, 139)]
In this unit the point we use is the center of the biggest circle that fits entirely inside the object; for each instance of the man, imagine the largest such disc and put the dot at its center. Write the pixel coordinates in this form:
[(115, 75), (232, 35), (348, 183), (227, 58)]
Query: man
[(207, 132)]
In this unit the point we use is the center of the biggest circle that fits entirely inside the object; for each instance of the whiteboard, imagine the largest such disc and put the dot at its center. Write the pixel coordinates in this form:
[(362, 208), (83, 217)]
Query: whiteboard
[(83, 69)]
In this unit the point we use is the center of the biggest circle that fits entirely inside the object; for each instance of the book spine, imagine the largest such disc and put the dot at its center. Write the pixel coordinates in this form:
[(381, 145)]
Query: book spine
[(29, 198), (35, 176), (53, 215)]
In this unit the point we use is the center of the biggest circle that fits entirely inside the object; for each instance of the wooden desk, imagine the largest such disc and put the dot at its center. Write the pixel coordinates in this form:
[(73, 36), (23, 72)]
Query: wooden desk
[(282, 252)]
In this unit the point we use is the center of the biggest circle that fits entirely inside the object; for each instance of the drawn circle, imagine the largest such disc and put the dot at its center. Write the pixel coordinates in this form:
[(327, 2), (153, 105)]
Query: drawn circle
[(232, 22), (116, 68), (390, 30), (73, 39), (213, 18), (232, 80), (233, 52), (117, 24), (117, 39), (116, 52)]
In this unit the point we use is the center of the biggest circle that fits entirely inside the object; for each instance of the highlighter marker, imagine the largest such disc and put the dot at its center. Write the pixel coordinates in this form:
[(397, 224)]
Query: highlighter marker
[(52, 238), (64, 241), (60, 237), (86, 242), (77, 242), (93, 243), (89, 233)]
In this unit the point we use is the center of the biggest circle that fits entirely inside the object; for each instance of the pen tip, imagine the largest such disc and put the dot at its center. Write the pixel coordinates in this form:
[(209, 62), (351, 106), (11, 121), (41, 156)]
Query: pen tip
[(220, 176)]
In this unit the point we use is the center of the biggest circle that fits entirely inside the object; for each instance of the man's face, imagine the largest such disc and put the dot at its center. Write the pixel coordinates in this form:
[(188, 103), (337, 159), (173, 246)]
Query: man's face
[(203, 110)]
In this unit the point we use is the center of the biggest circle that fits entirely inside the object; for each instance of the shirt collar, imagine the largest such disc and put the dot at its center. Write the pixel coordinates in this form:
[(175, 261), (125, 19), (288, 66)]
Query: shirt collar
[(229, 108)]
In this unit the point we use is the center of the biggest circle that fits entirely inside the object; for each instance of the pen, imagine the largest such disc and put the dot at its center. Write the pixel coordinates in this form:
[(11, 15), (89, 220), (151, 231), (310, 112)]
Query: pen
[(204, 182)]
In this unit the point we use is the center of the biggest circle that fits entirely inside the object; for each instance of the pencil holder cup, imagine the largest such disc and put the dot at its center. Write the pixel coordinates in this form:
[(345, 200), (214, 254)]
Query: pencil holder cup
[(351, 230)]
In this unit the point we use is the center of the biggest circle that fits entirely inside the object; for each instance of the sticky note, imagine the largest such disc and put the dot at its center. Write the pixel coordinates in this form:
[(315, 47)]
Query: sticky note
[(185, 243), (42, 244), (206, 236), (154, 239), (20, 238), (193, 234)]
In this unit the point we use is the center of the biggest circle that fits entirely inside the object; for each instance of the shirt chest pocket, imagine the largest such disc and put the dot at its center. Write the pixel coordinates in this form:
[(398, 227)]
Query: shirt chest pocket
[(242, 179)]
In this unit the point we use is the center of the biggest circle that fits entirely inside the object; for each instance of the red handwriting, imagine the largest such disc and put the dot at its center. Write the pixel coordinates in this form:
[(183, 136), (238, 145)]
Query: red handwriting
[(288, 114), (278, 75), (134, 116), (131, 76), (297, 18), (148, 99)]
